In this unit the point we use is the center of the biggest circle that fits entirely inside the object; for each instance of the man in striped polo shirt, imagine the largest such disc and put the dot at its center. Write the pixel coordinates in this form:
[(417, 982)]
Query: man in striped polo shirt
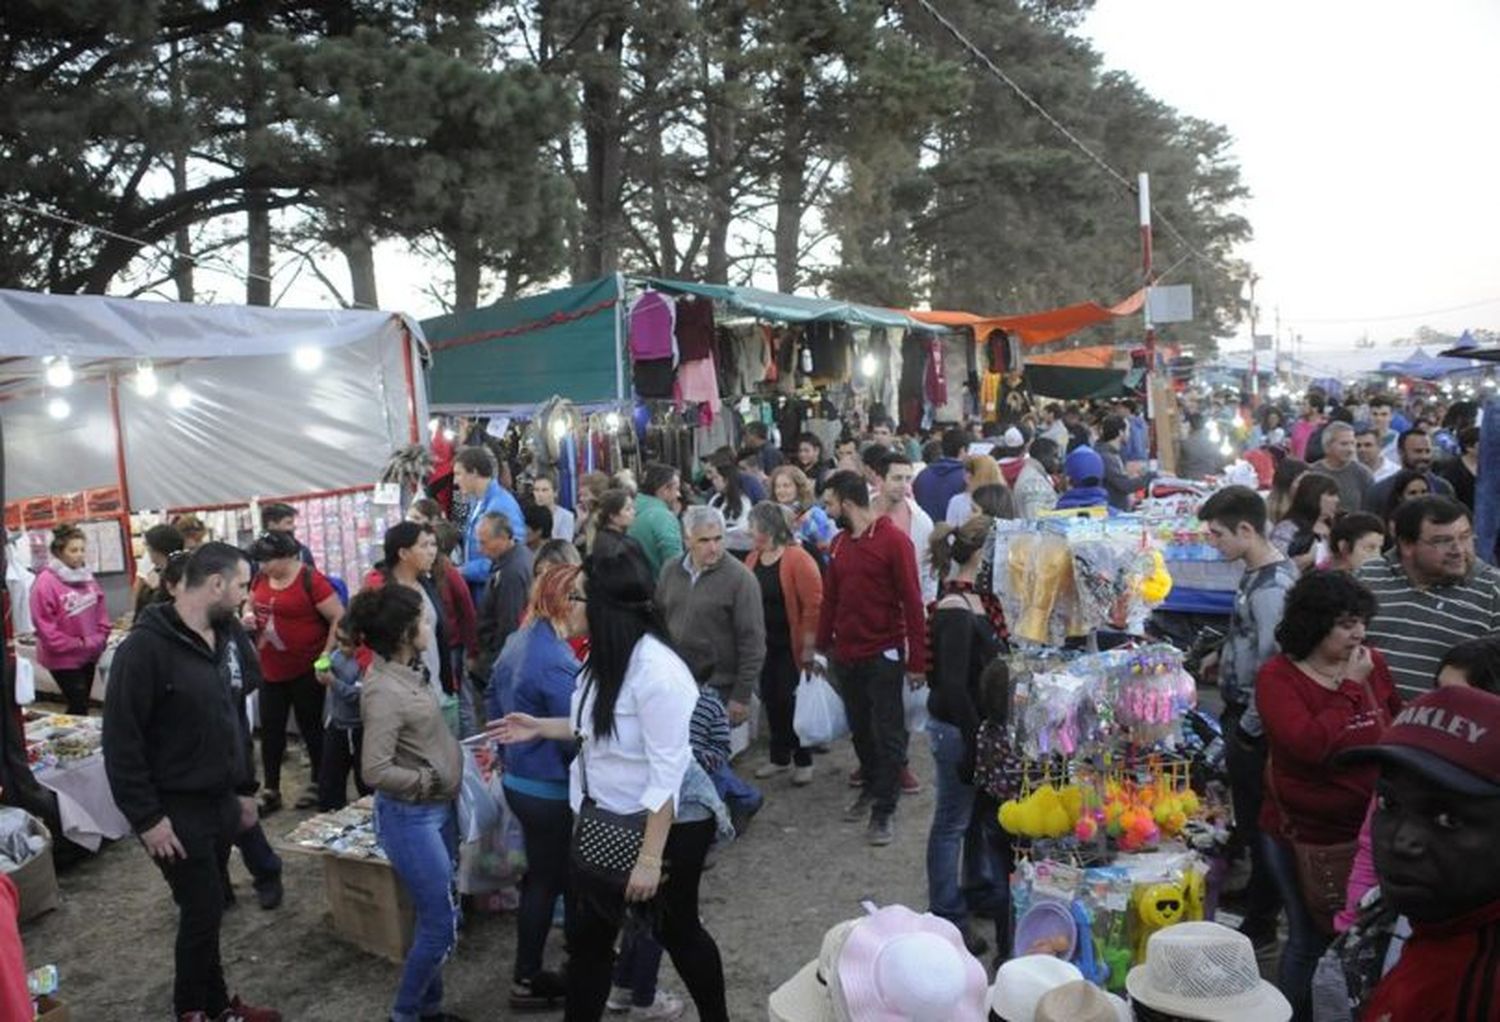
[(1434, 592)]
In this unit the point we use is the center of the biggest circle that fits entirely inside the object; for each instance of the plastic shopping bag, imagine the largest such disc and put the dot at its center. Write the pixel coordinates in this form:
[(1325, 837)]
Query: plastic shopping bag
[(25, 682), (915, 701), (819, 717), (479, 795)]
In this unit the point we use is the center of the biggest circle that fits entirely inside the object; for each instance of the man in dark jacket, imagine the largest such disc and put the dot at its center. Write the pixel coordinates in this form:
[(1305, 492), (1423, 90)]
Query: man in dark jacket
[(506, 593), (941, 481), (179, 766)]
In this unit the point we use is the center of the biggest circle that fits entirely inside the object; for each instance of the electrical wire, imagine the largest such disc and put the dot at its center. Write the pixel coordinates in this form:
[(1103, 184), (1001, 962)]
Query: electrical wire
[(216, 263), (1392, 319), (1099, 161)]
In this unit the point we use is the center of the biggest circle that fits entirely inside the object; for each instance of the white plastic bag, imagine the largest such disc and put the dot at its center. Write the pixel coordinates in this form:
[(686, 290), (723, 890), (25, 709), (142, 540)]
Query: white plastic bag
[(479, 797), (915, 701), (819, 717), (25, 682)]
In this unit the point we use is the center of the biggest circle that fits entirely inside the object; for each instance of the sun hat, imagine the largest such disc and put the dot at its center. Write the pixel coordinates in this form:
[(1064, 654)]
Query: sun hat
[(900, 966), (1205, 971), (1447, 736), (1078, 1001), (1013, 440), (806, 997), (1022, 982)]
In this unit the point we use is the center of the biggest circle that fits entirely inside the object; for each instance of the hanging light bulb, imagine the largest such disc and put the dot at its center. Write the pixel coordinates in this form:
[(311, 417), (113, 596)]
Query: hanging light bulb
[(612, 422), (559, 427), (1226, 449), (868, 365), (146, 383), (59, 372), (434, 425), (59, 408), (308, 359), (178, 396)]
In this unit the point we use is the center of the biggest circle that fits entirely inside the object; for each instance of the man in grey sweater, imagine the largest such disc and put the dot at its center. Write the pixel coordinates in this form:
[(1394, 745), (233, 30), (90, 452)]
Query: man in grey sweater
[(711, 600), (1340, 465), (506, 592)]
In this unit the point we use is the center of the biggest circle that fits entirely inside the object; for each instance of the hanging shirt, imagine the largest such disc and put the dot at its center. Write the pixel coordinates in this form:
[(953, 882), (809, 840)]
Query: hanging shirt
[(695, 328), (653, 319), (698, 383), (935, 377)]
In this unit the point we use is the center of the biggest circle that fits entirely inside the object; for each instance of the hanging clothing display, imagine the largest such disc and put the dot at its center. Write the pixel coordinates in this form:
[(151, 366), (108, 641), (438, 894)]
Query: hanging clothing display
[(831, 346), (934, 376), (909, 389), (653, 319), (695, 328), (653, 378), (698, 382)]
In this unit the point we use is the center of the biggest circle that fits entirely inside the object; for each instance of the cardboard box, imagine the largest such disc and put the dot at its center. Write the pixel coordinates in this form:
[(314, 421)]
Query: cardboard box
[(50, 1009), (370, 907), (36, 880)]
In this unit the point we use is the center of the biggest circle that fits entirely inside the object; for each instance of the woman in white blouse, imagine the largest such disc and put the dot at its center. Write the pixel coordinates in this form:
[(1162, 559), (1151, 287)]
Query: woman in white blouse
[(632, 710)]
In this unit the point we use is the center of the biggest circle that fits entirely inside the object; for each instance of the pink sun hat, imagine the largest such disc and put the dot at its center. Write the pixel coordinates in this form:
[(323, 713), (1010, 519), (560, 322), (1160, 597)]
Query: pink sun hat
[(897, 965)]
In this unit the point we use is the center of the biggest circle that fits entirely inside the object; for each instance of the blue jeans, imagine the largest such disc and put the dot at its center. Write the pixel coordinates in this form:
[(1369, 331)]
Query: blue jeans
[(961, 834), (637, 964), (734, 790), (421, 840), (1305, 943)]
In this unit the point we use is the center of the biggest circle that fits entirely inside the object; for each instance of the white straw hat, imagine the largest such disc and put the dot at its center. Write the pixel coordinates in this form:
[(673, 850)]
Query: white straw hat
[(1205, 971), (807, 996), (1022, 982)]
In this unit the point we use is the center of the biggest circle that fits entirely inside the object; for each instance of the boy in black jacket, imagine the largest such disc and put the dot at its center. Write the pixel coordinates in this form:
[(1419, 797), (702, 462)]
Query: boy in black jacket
[(178, 763)]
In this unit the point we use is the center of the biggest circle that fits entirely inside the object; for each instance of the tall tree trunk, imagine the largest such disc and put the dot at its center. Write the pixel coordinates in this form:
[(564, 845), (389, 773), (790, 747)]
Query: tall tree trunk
[(359, 253), (603, 214), (258, 213), (721, 126), (182, 262), (466, 274), (791, 177)]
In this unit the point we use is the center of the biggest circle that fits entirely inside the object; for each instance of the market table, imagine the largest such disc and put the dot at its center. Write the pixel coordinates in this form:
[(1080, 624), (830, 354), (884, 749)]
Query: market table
[(84, 802)]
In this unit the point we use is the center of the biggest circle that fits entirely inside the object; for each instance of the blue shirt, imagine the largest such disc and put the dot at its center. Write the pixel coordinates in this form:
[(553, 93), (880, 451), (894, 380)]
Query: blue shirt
[(476, 566), (535, 673)]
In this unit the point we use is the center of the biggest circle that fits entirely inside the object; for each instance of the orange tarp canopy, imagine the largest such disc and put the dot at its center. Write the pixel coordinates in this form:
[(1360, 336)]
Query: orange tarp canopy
[(1036, 327), (1098, 357)]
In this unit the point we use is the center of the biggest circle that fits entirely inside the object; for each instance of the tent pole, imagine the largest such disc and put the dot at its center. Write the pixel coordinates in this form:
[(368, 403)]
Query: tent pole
[(619, 339), (118, 422), (411, 384)]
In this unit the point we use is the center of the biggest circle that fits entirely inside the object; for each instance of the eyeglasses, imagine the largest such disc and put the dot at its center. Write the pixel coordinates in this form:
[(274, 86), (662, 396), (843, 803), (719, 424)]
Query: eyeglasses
[(1450, 542)]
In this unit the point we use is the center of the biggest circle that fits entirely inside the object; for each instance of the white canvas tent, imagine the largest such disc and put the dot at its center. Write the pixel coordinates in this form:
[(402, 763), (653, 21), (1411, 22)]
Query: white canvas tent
[(256, 424)]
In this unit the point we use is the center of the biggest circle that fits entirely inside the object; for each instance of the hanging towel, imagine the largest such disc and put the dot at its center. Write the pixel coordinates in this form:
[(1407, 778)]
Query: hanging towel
[(653, 319)]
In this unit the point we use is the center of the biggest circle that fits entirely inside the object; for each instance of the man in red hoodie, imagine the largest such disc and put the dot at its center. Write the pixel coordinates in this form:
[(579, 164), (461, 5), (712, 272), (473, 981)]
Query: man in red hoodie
[(15, 999), (874, 623), (1435, 832)]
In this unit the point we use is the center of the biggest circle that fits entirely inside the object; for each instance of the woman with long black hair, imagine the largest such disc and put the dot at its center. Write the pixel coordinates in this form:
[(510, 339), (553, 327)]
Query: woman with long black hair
[(631, 714)]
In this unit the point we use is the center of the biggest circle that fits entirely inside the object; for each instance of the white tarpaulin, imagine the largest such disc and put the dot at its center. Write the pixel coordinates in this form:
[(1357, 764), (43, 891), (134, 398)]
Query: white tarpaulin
[(256, 424)]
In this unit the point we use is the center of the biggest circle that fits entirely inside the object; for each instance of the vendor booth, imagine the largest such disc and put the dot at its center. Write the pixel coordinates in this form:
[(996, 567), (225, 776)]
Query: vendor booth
[(120, 414)]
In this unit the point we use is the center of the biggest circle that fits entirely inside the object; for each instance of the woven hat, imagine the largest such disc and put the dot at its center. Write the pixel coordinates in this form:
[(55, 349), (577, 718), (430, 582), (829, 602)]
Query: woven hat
[(807, 996), (901, 966), (1205, 971), (1078, 1001), (1022, 982)]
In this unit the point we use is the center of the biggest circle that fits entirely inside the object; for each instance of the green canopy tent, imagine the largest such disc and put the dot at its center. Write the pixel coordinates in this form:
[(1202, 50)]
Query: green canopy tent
[(516, 354), (780, 308), (1070, 383)]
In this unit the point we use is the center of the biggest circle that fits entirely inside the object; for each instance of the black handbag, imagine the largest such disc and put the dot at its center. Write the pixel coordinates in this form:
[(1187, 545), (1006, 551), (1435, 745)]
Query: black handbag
[(606, 845)]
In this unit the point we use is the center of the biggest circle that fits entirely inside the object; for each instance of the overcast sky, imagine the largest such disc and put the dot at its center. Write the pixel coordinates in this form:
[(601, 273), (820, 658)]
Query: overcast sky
[(1366, 131)]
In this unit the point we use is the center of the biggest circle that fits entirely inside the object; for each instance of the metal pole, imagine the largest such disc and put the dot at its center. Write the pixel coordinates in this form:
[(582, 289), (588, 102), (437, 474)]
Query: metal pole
[(1143, 191), (1254, 346), (619, 341)]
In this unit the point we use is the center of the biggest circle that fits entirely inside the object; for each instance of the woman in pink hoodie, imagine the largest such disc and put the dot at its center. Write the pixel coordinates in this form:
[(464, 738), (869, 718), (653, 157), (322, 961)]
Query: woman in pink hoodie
[(71, 620)]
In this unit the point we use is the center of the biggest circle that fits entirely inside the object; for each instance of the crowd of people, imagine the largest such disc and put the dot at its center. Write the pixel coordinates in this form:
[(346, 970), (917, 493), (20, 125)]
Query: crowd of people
[(608, 649)]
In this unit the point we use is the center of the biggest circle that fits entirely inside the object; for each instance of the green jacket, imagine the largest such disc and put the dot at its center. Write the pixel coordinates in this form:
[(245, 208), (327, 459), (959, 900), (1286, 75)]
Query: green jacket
[(658, 532)]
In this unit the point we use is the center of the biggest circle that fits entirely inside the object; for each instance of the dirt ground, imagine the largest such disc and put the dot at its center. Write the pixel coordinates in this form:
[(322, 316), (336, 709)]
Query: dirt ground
[(798, 870)]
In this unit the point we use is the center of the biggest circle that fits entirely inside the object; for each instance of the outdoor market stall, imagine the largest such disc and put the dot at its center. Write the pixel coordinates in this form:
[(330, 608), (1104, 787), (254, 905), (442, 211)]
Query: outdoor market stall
[(121, 413)]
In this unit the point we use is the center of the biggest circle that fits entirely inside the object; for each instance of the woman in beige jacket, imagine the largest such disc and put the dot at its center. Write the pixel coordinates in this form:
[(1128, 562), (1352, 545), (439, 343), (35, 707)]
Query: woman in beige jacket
[(414, 764)]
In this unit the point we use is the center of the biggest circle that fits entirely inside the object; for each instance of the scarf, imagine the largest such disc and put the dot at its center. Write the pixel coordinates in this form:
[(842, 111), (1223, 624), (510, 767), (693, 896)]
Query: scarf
[(72, 576), (988, 600)]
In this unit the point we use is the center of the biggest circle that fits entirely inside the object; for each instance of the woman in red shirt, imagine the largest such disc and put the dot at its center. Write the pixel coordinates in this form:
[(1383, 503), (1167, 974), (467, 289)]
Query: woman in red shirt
[(296, 612), (1325, 692)]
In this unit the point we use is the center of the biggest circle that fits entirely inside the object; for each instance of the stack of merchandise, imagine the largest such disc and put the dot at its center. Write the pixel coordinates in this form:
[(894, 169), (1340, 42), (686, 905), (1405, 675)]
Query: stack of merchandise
[(56, 739), (348, 832)]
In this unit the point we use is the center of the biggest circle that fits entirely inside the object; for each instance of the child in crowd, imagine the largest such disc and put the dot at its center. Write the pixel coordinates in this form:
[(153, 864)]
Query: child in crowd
[(344, 733)]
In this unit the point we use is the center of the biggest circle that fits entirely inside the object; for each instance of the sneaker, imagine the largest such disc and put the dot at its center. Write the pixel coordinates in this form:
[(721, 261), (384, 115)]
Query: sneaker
[(666, 1006), (308, 799), (856, 778), (270, 802), (269, 892), (880, 832), (619, 999), (802, 776), (239, 1011), (541, 992), (770, 770), (909, 783), (858, 809), (740, 815)]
